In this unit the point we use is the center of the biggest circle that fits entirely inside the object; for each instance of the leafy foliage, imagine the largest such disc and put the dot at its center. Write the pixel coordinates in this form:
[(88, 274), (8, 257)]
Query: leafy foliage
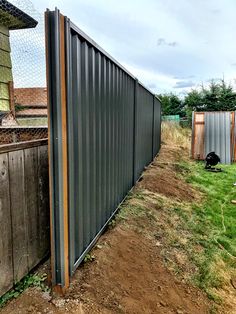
[(35, 280), (172, 105), (89, 258), (216, 97)]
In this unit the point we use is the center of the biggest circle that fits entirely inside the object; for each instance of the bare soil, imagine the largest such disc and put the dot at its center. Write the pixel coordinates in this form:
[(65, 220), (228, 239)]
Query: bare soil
[(129, 274), (162, 176)]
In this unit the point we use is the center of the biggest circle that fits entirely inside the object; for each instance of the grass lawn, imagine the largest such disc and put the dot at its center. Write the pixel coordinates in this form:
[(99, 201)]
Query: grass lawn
[(218, 214), (213, 224)]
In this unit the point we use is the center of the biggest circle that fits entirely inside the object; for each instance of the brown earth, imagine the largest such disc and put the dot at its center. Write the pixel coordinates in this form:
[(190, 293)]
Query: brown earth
[(129, 273), (167, 184), (162, 176), (127, 276)]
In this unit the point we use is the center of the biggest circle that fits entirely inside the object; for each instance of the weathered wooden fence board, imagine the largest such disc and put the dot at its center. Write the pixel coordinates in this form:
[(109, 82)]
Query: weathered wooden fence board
[(18, 214), (24, 211), (6, 274), (31, 191), (43, 201)]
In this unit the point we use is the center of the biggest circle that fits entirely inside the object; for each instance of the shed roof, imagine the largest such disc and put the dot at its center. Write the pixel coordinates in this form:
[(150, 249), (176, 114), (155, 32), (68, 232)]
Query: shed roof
[(14, 18)]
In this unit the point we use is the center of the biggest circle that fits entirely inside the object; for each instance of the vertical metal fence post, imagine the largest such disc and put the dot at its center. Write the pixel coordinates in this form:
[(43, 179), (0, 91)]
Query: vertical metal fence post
[(153, 127), (55, 46), (135, 132), (193, 134)]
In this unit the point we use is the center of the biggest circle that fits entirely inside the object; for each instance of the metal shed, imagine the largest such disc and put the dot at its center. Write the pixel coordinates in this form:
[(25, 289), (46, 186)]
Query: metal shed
[(214, 131)]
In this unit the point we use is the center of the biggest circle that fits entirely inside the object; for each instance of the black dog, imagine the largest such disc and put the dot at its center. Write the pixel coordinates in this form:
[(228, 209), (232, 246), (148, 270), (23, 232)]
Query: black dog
[(211, 160)]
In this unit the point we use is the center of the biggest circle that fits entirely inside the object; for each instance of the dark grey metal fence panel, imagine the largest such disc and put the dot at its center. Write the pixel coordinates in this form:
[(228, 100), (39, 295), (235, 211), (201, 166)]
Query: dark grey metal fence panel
[(100, 142), (156, 127), (144, 129), (109, 128), (55, 146)]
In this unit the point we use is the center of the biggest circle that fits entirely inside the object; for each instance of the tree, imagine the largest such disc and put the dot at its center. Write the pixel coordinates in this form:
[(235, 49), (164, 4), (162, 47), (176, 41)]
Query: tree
[(215, 97), (194, 101), (172, 105)]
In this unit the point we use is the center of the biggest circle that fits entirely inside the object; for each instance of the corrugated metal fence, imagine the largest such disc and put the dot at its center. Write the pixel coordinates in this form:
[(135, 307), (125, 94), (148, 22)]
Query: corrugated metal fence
[(214, 131), (104, 129)]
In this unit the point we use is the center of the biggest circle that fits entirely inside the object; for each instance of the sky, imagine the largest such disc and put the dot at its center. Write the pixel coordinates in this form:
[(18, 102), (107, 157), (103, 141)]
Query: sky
[(169, 45)]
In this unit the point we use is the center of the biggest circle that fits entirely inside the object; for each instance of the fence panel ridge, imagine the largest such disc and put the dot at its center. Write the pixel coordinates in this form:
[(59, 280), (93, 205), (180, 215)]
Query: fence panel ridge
[(104, 128)]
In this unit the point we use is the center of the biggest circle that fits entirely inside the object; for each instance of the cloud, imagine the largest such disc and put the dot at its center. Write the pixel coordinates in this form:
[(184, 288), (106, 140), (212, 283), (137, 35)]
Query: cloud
[(141, 37), (150, 78), (184, 77), (163, 42), (183, 84), (215, 11), (172, 44), (152, 86)]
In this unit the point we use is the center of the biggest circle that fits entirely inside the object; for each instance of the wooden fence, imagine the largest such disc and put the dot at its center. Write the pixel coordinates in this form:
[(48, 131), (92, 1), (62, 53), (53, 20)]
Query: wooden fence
[(24, 210)]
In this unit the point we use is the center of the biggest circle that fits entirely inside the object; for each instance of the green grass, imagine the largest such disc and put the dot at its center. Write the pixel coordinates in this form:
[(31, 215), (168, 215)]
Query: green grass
[(212, 224), (216, 215)]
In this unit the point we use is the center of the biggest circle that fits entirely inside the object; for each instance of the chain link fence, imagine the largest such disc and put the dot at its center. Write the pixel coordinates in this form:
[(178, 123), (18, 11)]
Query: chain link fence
[(23, 93)]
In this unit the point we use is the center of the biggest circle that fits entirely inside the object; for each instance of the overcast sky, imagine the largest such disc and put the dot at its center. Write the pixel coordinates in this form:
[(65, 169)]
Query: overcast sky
[(170, 45)]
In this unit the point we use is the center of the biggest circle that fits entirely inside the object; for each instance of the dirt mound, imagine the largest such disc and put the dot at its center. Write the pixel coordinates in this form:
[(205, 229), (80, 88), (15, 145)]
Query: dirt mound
[(127, 276), (167, 184), (133, 279), (161, 176)]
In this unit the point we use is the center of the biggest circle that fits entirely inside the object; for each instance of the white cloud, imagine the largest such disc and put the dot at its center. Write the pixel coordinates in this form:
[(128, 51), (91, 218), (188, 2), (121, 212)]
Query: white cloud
[(168, 44)]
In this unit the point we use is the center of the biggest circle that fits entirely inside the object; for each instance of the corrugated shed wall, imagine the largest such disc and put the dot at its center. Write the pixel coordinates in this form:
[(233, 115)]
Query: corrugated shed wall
[(214, 131), (104, 129), (218, 135)]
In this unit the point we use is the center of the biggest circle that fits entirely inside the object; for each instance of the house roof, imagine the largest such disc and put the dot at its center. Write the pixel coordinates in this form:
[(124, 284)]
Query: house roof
[(14, 18)]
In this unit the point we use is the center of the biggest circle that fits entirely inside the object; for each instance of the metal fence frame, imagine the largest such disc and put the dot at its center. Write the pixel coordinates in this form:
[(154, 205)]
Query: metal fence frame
[(104, 128)]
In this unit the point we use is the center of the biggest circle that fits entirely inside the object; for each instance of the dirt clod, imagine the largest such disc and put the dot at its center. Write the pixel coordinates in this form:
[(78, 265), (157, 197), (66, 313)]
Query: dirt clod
[(162, 303)]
